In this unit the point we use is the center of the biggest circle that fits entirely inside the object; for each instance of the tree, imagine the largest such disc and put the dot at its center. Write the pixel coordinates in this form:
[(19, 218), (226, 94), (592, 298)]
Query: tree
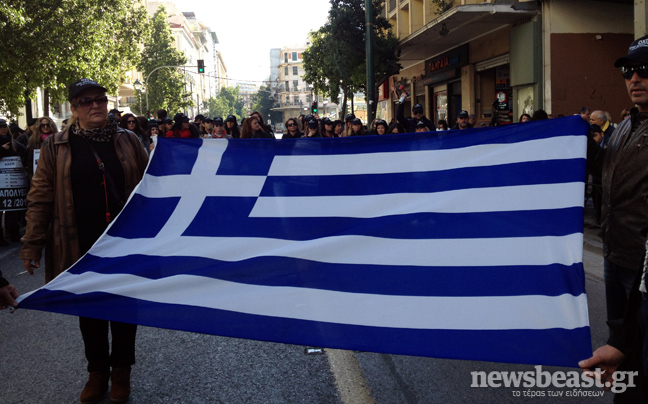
[(228, 102), (165, 86), (336, 57), (263, 101), (52, 43)]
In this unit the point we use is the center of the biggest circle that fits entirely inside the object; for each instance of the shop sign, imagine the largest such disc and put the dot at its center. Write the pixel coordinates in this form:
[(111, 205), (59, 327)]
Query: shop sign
[(453, 59)]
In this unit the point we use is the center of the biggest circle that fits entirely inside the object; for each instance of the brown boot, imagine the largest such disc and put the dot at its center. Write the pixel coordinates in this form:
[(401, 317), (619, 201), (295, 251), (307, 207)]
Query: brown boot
[(95, 388), (120, 385)]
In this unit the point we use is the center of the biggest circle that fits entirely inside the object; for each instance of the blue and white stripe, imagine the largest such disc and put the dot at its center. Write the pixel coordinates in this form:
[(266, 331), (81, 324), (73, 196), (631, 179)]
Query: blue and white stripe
[(460, 245)]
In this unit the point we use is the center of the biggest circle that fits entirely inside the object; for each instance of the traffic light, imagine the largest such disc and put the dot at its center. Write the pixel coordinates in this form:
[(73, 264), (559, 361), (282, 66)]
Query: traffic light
[(201, 66), (314, 107)]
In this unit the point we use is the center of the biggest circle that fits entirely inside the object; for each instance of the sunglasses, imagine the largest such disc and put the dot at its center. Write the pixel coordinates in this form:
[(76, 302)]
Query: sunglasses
[(44, 125), (291, 124), (129, 122), (88, 102), (628, 72)]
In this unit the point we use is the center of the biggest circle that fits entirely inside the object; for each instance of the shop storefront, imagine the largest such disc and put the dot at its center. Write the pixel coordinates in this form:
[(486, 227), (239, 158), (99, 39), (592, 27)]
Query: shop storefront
[(443, 83)]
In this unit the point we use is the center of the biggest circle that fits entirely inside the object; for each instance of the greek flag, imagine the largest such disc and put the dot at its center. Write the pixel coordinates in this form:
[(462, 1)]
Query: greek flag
[(459, 244)]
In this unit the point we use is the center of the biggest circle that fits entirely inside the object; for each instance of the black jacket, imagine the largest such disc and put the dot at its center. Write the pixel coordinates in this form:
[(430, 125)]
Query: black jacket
[(410, 123)]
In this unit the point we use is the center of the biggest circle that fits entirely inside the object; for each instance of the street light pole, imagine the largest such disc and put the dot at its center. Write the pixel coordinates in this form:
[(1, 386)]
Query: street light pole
[(137, 85)]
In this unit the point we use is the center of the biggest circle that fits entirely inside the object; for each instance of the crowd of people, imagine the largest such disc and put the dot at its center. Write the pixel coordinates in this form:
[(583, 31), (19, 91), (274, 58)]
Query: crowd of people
[(89, 168)]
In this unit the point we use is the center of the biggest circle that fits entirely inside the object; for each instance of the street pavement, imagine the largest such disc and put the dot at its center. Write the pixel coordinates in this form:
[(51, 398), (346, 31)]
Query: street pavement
[(42, 361)]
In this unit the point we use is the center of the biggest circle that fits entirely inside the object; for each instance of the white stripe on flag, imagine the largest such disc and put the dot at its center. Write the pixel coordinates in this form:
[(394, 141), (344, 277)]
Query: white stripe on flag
[(415, 312), (565, 250), (498, 199), (567, 147), (201, 186)]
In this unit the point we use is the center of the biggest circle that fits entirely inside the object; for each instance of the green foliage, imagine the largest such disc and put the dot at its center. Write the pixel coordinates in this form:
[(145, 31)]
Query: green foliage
[(263, 101), (442, 5), (52, 43), (166, 86), (336, 57), (228, 102)]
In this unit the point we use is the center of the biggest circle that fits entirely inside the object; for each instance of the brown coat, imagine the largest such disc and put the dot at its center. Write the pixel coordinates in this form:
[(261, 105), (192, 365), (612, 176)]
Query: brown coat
[(50, 208)]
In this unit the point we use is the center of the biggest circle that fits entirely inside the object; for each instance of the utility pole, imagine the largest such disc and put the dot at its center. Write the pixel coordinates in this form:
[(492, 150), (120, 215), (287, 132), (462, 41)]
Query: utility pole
[(370, 60)]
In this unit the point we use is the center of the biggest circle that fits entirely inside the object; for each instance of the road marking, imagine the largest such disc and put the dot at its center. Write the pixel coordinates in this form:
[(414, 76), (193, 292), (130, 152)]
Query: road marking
[(349, 379)]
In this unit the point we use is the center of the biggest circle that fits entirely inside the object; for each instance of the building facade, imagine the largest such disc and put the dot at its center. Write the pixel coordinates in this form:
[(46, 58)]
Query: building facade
[(294, 95), (501, 58)]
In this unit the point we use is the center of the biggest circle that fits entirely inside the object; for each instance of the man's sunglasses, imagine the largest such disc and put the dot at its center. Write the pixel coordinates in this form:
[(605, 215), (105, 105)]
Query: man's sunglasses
[(87, 102), (628, 72)]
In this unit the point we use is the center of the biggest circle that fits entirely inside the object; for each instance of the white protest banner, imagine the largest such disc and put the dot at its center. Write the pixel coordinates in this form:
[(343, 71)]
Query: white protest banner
[(13, 184)]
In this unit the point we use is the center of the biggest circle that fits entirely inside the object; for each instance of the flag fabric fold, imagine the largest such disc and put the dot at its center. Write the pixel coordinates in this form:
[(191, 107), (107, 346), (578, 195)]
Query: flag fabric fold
[(459, 244)]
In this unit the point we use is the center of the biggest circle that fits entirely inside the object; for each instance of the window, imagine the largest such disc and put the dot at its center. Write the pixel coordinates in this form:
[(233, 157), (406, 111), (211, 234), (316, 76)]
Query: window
[(308, 99), (299, 55), (286, 71), (295, 71), (294, 56), (296, 85), (296, 99), (287, 86), (286, 57)]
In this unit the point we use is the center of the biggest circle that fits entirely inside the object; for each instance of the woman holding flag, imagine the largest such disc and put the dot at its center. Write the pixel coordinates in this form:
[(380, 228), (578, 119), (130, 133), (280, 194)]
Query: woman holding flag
[(85, 173)]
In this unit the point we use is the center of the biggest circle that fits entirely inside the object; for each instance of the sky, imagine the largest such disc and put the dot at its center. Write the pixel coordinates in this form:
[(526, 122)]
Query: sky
[(248, 29)]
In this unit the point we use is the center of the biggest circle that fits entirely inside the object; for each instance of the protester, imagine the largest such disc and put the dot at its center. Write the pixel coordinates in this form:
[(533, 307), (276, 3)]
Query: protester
[(347, 124), (264, 127), (625, 112), (462, 121), (356, 128), (421, 127), (524, 118), (231, 127), (218, 131), (381, 127), (64, 124), (207, 128), (182, 128), (625, 185), (417, 116), (117, 114), (327, 128), (130, 122), (584, 113), (8, 294), (166, 124), (540, 115), (252, 129), (10, 148), (152, 131), (84, 175), (395, 128), (292, 129), (312, 129), (443, 124), (44, 129), (338, 128), (601, 119)]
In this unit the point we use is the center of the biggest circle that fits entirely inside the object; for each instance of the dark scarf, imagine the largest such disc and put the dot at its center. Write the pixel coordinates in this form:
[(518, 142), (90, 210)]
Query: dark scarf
[(104, 134)]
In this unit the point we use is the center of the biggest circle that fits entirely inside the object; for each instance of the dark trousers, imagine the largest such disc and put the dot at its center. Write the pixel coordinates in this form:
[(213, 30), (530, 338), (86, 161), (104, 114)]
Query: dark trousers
[(618, 284), (97, 348)]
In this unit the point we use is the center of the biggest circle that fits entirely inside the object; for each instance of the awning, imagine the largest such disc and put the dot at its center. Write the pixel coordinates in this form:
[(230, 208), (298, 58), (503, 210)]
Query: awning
[(462, 24)]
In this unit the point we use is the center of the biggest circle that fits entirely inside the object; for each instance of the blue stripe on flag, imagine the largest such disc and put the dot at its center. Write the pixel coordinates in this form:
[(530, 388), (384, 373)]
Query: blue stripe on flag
[(555, 347), (536, 172), (210, 222), (143, 217), (549, 280), (177, 156)]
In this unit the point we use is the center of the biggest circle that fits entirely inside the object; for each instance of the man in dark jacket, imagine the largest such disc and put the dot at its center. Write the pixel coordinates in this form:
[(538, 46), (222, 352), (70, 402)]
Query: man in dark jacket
[(8, 294), (624, 173), (417, 116), (462, 121)]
